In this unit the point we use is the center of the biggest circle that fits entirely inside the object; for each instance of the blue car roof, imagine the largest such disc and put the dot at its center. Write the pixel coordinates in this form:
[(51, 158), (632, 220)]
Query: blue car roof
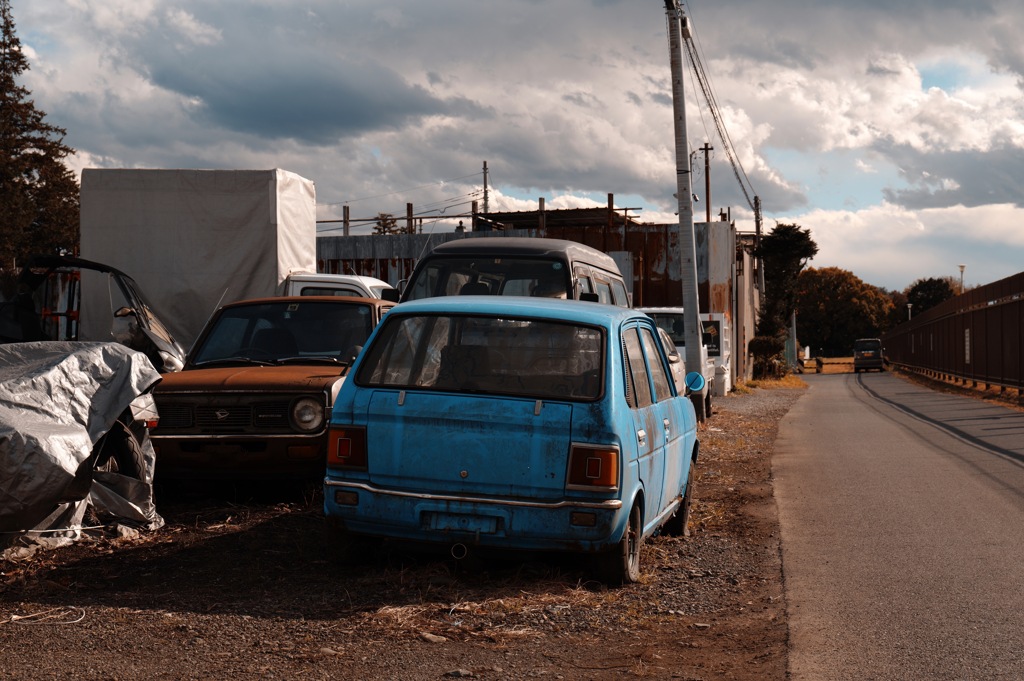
[(597, 314)]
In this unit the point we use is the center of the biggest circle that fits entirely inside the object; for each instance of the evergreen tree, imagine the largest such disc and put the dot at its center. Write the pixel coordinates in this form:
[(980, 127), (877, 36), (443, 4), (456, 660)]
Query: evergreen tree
[(386, 224), (38, 193), (784, 252)]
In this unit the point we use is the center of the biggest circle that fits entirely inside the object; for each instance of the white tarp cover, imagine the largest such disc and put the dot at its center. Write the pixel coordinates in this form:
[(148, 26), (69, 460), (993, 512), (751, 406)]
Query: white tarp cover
[(193, 239), (57, 399)]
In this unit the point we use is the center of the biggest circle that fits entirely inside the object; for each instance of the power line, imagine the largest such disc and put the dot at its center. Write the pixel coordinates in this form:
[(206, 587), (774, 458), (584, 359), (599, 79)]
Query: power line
[(716, 115), (436, 214)]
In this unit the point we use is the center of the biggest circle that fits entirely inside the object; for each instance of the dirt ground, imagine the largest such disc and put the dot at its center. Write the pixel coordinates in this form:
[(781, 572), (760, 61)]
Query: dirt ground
[(245, 586)]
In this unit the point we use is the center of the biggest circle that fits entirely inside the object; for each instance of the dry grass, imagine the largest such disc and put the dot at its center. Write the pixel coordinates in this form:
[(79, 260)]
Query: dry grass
[(789, 381)]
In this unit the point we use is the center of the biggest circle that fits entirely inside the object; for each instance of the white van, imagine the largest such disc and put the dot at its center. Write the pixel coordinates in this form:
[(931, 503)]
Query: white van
[(518, 266), (321, 284)]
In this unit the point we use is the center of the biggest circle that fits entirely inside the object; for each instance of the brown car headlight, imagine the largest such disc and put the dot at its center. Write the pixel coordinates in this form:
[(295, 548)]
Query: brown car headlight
[(308, 414)]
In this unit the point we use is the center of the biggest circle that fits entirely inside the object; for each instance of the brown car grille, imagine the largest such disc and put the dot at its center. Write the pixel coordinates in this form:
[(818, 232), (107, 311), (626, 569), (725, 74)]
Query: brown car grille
[(224, 417), (174, 416)]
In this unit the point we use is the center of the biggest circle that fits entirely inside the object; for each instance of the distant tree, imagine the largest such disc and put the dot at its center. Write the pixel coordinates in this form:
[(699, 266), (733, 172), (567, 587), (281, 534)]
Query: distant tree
[(38, 193), (954, 284), (386, 224), (898, 313), (784, 252), (835, 308), (925, 294)]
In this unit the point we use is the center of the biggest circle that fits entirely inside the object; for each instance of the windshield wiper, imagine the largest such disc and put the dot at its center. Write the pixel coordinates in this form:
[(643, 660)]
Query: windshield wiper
[(234, 360), (309, 359)]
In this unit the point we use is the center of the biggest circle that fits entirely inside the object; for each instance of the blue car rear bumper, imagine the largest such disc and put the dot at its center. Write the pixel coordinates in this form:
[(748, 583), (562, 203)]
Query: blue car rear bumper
[(574, 525)]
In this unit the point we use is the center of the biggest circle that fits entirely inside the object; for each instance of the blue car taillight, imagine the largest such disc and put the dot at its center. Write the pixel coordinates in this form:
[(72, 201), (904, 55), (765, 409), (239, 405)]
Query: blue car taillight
[(346, 448), (593, 467)]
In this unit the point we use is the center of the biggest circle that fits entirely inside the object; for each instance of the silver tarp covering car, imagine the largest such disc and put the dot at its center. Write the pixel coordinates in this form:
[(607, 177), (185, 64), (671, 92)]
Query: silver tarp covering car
[(58, 401)]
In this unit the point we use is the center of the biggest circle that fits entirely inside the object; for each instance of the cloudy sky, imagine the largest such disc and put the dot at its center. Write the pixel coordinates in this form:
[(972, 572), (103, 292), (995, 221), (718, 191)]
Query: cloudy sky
[(893, 130)]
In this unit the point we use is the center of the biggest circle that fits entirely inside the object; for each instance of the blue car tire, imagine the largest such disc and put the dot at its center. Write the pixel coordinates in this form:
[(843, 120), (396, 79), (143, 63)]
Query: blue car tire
[(621, 565), (679, 524)]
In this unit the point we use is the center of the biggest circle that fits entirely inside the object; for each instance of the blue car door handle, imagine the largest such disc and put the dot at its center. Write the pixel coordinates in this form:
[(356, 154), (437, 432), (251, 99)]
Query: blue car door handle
[(668, 428), (641, 437)]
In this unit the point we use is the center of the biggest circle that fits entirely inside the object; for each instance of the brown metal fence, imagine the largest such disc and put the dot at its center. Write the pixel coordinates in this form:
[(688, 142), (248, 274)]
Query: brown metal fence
[(974, 337)]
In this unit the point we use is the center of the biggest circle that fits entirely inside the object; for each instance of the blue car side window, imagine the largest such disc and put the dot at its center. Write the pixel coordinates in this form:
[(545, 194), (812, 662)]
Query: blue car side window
[(662, 388), (636, 370)]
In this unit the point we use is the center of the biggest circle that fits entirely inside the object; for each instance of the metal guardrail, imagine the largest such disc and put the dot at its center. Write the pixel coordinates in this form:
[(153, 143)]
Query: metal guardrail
[(975, 337)]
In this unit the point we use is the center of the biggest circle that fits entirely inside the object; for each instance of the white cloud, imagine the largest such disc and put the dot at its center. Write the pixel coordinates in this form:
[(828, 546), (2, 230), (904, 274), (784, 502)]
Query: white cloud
[(891, 247), (568, 100), (191, 30), (115, 16), (864, 167)]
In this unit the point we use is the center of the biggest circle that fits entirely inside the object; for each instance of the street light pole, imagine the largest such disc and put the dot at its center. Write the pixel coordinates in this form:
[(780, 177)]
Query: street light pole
[(962, 278)]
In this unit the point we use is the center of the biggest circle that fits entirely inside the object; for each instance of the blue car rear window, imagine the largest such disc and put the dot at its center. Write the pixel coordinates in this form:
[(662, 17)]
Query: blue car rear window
[(499, 355)]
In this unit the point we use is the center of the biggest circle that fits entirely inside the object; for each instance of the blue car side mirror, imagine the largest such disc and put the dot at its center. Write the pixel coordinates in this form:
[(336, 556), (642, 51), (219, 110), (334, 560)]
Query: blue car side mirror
[(694, 382)]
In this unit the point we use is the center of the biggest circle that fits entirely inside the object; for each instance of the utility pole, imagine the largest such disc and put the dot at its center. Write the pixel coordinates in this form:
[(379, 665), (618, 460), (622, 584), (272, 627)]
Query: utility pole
[(758, 264), (677, 24), (707, 180), (486, 207)]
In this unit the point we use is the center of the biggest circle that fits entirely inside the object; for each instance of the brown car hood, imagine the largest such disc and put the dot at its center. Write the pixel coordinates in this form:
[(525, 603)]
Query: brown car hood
[(286, 377)]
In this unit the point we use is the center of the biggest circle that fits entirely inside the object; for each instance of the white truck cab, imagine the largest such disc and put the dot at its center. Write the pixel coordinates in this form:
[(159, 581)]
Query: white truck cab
[(321, 284), (671, 320)]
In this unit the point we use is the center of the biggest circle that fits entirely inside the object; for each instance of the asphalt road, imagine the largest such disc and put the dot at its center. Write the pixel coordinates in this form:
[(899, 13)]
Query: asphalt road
[(902, 516)]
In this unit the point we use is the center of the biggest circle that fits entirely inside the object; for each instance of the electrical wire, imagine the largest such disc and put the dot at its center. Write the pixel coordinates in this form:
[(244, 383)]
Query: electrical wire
[(700, 110), (437, 213), (716, 115), (709, 96)]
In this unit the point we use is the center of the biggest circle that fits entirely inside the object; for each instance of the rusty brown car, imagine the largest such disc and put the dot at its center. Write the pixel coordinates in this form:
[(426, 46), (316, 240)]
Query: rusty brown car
[(255, 395)]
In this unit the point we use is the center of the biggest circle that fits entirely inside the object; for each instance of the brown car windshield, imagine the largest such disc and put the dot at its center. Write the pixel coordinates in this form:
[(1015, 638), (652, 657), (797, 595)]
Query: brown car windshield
[(288, 330), (496, 355)]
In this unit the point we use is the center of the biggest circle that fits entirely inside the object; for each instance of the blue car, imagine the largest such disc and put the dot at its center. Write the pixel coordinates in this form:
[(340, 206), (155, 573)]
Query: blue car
[(514, 423)]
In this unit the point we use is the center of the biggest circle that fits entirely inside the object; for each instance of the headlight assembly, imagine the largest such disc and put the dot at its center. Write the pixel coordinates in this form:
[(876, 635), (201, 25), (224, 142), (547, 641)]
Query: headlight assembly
[(308, 414)]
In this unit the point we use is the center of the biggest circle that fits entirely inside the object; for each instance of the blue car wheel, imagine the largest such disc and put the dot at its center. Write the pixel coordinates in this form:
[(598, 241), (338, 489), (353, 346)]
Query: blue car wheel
[(679, 524), (621, 565)]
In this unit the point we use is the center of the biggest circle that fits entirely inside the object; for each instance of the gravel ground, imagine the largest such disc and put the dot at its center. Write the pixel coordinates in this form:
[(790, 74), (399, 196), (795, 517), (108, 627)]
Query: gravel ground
[(246, 587)]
